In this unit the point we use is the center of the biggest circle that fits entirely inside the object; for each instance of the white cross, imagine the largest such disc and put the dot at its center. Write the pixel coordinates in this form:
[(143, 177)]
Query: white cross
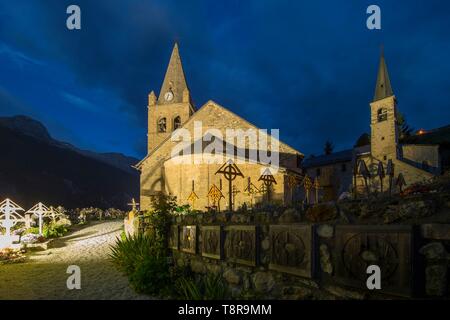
[(9, 216), (41, 211)]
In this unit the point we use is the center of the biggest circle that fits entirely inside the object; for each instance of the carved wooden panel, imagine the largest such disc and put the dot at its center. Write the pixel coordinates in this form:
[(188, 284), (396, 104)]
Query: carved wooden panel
[(188, 239), (240, 244), (212, 242), (389, 247), (174, 237), (291, 249)]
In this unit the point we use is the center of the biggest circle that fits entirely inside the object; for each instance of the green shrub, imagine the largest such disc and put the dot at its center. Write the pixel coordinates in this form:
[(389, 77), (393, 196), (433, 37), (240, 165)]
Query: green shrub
[(53, 230), (143, 261), (33, 230), (128, 253), (151, 276), (209, 287)]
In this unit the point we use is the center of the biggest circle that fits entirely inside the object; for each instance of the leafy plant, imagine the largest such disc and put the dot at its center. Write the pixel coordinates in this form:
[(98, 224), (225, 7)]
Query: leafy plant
[(33, 230), (209, 287), (151, 275), (53, 230)]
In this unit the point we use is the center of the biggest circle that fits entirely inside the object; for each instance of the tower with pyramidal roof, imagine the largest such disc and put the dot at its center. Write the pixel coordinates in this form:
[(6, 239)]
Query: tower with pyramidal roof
[(172, 107)]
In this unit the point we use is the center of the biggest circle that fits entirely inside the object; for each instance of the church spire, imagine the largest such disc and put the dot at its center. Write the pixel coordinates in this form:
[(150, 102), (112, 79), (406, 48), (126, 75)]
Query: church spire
[(174, 85), (383, 87)]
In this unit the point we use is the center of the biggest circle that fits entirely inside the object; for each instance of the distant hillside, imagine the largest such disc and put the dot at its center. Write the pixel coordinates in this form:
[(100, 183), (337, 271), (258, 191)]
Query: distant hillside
[(30, 127), (34, 167)]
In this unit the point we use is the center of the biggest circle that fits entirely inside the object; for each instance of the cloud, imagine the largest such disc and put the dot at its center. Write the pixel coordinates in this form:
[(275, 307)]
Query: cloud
[(305, 67), (80, 103)]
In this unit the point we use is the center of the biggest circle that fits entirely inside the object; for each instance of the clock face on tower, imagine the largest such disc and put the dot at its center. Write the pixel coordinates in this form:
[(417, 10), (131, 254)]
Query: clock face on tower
[(168, 96)]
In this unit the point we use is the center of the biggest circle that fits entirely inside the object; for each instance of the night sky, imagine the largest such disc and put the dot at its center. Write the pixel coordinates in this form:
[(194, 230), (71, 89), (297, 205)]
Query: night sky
[(305, 67)]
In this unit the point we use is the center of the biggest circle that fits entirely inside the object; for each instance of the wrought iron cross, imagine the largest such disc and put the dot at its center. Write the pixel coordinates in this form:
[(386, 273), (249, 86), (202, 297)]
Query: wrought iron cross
[(251, 190), (230, 171), (133, 205), (215, 195), (390, 171), (381, 174), (316, 186), (193, 196), (364, 171), (401, 182), (268, 180), (307, 184)]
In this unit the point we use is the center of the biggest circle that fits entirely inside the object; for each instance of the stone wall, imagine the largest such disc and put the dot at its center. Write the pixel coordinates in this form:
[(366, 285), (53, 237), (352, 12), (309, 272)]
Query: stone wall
[(279, 255)]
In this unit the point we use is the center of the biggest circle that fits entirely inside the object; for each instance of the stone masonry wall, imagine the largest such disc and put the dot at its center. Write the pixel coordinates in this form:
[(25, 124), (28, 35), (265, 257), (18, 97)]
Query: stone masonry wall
[(277, 254)]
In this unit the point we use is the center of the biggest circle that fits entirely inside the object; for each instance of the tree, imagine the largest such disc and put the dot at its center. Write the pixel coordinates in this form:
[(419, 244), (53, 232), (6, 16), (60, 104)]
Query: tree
[(363, 140), (328, 148), (404, 129)]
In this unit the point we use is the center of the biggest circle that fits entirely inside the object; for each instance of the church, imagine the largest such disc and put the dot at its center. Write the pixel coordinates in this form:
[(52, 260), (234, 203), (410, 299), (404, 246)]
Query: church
[(414, 158), (259, 171)]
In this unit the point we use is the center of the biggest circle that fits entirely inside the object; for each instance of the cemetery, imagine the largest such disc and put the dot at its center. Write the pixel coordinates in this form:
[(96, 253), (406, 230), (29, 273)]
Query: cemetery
[(34, 229)]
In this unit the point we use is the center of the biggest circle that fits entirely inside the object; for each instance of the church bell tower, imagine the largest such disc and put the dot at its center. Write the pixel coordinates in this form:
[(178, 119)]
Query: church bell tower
[(384, 129), (173, 107)]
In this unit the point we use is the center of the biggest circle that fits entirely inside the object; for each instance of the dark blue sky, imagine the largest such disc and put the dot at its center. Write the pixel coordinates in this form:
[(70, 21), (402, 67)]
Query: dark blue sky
[(306, 67)]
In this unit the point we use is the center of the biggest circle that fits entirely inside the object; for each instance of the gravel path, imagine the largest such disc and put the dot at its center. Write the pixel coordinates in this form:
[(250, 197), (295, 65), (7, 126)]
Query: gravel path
[(43, 275)]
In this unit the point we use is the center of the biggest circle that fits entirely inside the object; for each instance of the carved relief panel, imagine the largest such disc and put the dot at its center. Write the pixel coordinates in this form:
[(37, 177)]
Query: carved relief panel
[(389, 247), (291, 249), (241, 244), (174, 237), (188, 239), (212, 242)]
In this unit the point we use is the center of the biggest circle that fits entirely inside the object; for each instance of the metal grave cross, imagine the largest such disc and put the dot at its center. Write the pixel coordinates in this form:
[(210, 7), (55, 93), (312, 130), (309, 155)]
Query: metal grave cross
[(381, 174), (251, 190), (55, 213), (230, 171), (41, 211), (390, 171), (215, 195), (268, 180), (9, 216), (316, 186), (307, 184), (364, 171), (193, 196), (133, 205), (401, 182)]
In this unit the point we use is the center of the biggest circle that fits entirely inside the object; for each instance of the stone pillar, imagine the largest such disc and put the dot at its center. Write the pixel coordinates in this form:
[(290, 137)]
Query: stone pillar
[(436, 269)]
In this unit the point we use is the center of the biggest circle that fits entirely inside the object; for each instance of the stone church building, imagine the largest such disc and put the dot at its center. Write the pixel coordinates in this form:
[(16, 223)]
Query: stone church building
[(198, 183), (418, 158)]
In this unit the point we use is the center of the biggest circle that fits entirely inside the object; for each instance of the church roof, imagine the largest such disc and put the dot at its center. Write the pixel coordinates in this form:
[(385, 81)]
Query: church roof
[(326, 159), (439, 136), (174, 80), (198, 113), (335, 157), (383, 87)]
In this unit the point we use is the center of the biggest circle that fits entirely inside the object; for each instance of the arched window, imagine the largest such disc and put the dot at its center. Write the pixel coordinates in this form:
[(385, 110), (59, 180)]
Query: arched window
[(382, 114), (176, 123), (162, 125)]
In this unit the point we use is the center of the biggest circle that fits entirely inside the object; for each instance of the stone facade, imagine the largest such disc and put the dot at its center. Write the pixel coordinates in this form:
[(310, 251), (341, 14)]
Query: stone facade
[(322, 251), (259, 256), (161, 171)]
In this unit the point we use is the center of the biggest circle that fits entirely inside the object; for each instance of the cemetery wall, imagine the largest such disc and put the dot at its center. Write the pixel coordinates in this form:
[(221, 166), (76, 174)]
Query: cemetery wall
[(281, 255)]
